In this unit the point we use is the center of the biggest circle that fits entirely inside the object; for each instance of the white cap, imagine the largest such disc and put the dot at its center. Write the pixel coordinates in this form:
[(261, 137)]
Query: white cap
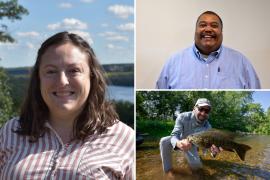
[(203, 102)]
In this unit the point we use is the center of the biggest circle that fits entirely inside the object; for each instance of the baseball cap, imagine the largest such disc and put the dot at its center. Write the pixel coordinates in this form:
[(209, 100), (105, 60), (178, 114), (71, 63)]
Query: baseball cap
[(203, 102)]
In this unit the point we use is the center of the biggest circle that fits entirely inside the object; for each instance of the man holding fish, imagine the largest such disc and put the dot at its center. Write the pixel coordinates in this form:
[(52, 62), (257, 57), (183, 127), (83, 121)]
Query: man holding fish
[(187, 123), (192, 130)]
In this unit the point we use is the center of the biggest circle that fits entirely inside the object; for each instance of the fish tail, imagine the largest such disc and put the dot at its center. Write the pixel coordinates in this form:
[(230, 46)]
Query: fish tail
[(241, 150)]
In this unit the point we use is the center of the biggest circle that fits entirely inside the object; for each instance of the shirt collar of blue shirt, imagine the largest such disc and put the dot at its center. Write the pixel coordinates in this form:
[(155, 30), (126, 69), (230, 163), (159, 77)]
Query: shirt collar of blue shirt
[(196, 122), (212, 56)]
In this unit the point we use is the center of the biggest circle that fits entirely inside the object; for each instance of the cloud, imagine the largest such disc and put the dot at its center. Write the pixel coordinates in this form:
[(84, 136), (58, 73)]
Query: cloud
[(68, 23), (126, 27), (117, 38), (65, 5), (87, 1), (113, 36), (30, 45), (85, 35), (54, 26), (104, 25), (28, 34), (112, 46), (121, 11), (107, 33)]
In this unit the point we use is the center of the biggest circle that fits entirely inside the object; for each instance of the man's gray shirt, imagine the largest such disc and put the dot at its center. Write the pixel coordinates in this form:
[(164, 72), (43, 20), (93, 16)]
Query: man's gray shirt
[(186, 124)]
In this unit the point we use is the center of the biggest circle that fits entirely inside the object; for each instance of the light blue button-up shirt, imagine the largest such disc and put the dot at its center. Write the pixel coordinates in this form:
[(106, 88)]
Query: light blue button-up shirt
[(223, 69), (186, 124)]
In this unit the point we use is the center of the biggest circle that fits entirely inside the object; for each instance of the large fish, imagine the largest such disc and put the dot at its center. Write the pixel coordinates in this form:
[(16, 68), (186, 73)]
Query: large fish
[(223, 139)]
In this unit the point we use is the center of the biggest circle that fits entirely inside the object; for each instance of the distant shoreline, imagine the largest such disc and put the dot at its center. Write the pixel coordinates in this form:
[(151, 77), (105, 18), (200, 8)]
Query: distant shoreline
[(117, 74)]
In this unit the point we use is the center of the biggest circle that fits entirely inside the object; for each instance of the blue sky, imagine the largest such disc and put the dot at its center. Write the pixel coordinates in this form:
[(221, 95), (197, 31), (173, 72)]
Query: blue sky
[(262, 97), (108, 25)]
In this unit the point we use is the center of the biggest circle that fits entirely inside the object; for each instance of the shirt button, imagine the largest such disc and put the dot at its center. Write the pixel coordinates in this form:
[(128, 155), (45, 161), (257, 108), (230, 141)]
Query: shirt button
[(206, 76)]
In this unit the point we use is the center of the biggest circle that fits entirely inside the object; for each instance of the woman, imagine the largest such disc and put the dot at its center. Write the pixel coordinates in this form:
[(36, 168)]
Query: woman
[(66, 129)]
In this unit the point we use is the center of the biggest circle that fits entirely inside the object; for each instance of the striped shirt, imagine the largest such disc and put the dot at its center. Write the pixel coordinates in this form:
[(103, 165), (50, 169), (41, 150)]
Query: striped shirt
[(109, 155)]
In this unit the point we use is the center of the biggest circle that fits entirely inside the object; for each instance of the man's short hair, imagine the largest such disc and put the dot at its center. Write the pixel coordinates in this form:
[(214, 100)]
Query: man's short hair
[(213, 13)]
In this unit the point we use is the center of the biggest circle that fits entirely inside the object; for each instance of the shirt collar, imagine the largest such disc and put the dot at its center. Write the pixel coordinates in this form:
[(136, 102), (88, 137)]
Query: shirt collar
[(212, 56), (201, 124)]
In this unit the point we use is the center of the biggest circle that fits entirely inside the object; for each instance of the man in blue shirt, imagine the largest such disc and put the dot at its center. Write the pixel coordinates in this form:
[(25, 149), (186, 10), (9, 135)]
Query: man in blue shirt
[(208, 64), (187, 123)]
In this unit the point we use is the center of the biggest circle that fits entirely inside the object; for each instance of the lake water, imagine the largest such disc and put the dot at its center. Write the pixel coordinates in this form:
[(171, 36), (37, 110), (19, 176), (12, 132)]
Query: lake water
[(226, 165), (124, 93)]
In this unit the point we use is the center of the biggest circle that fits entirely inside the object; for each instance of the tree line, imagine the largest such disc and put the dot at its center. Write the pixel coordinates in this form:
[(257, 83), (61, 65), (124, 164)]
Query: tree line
[(231, 110)]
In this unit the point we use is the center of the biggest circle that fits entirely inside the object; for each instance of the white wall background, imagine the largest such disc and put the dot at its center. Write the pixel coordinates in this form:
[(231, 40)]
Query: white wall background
[(166, 26)]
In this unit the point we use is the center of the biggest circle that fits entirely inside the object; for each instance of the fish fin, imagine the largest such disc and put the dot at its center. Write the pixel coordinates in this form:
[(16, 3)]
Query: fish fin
[(223, 133), (228, 149), (241, 150)]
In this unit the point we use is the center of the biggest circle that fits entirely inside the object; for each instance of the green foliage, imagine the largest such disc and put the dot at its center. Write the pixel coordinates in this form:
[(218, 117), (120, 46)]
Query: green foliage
[(5, 99), (123, 67), (120, 74), (121, 78), (264, 127), (12, 11), (163, 104), (268, 113), (140, 110), (231, 110), (125, 111), (18, 83), (18, 86), (155, 129)]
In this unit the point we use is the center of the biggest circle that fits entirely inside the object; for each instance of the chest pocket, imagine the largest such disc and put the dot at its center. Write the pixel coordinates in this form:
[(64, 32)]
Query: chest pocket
[(228, 78)]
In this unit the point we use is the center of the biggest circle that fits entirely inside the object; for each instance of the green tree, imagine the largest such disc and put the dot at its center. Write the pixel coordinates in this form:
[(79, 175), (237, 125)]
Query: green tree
[(268, 113), (260, 119), (12, 11), (125, 111), (5, 99), (140, 109), (229, 109)]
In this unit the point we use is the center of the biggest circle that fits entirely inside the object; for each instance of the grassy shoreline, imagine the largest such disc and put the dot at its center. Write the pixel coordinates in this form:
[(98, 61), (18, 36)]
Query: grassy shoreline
[(155, 129)]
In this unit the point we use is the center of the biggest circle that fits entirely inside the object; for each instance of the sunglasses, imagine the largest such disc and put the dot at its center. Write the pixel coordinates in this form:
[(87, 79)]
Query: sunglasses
[(206, 110)]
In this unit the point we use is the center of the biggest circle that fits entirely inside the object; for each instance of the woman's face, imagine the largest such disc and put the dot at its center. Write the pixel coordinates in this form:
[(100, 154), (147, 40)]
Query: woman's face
[(64, 79)]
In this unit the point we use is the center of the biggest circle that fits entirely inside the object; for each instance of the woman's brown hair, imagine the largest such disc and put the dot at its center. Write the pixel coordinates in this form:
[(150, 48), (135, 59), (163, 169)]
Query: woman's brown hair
[(97, 114)]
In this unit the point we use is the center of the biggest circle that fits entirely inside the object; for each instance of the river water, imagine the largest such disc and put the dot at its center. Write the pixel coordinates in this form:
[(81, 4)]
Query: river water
[(226, 165)]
